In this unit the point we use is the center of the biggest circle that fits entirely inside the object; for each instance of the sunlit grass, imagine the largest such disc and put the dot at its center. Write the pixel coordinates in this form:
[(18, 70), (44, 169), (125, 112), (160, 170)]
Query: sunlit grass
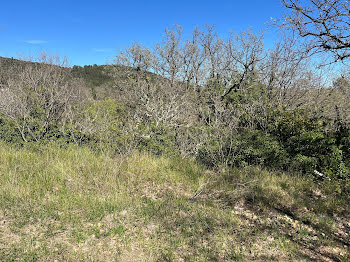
[(73, 204)]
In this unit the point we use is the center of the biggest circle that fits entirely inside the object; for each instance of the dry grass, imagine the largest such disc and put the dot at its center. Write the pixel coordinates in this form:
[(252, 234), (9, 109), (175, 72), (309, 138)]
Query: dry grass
[(75, 205)]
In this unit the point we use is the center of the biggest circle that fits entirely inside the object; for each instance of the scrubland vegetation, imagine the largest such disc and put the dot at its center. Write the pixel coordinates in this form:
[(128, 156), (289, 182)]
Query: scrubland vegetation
[(204, 148), (73, 204)]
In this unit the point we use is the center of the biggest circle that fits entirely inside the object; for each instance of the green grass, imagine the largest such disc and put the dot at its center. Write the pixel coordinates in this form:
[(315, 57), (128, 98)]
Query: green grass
[(76, 205)]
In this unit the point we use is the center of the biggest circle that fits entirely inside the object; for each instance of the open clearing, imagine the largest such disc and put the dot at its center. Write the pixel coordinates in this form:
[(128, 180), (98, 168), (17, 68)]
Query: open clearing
[(75, 205)]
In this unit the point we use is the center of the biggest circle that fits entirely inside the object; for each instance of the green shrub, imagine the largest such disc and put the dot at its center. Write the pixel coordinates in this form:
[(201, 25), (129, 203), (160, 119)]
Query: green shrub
[(292, 141), (252, 147), (311, 142), (156, 139), (9, 132)]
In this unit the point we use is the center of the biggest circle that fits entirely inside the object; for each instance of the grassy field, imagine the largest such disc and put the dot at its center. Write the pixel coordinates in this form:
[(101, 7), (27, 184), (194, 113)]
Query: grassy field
[(76, 205)]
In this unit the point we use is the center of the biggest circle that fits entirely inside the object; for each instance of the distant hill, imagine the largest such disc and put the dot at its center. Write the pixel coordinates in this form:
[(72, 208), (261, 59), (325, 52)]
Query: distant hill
[(9, 67), (93, 75)]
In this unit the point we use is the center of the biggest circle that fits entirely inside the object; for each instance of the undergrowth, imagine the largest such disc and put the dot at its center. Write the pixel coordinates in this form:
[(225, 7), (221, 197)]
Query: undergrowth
[(73, 204)]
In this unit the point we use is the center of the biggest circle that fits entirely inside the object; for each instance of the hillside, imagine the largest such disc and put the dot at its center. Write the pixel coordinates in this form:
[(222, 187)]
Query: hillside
[(75, 205), (94, 75), (189, 144), (188, 153)]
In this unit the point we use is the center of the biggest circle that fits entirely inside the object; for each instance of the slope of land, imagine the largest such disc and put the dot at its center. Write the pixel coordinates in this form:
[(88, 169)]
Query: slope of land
[(93, 75), (73, 204)]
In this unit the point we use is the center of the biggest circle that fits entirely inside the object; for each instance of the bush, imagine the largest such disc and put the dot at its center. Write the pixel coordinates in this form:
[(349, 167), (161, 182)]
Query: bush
[(252, 147), (293, 141), (9, 132), (156, 139)]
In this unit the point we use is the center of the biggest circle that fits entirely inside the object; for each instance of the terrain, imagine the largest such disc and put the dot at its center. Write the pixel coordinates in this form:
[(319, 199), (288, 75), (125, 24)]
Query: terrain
[(72, 204), (199, 149)]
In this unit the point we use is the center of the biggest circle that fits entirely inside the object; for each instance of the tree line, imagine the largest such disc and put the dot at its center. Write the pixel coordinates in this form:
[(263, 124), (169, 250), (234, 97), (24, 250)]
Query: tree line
[(225, 101)]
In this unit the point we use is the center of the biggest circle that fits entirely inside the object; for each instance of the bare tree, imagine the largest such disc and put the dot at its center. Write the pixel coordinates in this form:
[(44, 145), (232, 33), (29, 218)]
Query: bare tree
[(326, 23), (169, 55), (136, 56), (207, 84), (244, 52), (39, 96)]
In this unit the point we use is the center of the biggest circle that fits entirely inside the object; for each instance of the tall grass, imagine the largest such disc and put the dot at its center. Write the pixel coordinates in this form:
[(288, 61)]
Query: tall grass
[(72, 204)]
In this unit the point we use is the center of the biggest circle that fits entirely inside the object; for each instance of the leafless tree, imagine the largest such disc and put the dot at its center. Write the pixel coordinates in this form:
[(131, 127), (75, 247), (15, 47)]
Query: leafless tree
[(136, 56), (244, 52), (206, 84), (326, 23), (194, 57), (169, 55), (38, 95)]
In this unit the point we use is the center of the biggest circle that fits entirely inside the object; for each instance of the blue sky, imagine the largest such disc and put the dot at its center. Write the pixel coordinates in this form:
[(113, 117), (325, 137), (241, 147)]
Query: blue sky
[(92, 32)]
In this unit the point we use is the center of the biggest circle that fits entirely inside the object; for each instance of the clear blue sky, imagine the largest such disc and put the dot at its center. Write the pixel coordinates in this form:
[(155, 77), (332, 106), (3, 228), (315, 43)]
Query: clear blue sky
[(91, 32)]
